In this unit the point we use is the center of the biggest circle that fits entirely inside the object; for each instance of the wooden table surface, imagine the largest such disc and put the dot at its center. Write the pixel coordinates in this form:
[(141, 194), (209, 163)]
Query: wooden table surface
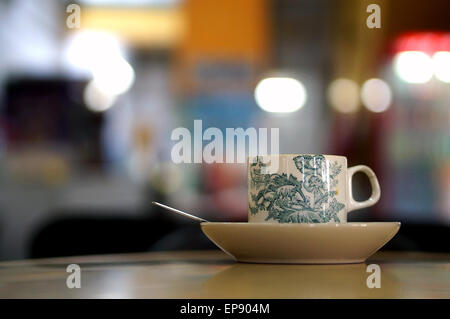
[(212, 274)]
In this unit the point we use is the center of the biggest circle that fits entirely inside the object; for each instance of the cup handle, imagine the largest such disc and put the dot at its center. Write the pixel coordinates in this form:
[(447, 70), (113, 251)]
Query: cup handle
[(376, 192)]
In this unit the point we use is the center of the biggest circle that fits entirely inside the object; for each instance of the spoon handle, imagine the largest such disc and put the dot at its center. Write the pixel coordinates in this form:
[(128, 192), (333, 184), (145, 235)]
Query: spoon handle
[(179, 212)]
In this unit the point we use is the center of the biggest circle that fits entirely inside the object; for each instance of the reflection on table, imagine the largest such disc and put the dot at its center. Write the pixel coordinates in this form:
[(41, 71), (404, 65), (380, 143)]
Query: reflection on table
[(212, 274)]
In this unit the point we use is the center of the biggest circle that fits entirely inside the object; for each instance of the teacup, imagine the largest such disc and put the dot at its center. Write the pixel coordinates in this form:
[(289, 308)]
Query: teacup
[(304, 188)]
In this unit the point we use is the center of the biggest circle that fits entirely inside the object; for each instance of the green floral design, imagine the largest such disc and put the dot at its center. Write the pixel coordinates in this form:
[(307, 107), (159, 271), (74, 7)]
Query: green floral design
[(289, 200)]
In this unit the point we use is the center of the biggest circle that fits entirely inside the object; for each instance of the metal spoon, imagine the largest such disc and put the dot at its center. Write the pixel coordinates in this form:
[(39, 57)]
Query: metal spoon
[(179, 212)]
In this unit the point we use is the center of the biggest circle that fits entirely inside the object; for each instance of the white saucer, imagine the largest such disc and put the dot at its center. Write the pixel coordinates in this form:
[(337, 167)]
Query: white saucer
[(300, 243)]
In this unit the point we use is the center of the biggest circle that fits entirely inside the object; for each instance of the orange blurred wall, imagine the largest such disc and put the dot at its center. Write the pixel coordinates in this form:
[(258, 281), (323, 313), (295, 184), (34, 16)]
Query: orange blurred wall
[(226, 29), (223, 30)]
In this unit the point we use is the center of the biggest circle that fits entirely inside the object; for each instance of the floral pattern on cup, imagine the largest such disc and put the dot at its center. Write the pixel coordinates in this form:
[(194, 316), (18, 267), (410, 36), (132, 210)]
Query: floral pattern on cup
[(288, 199)]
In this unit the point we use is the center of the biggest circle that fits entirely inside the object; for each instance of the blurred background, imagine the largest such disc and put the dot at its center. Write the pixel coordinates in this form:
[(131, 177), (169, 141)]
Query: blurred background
[(86, 114)]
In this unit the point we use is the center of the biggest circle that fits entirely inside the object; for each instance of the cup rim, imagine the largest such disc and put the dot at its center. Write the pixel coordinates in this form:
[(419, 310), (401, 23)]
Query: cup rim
[(297, 154)]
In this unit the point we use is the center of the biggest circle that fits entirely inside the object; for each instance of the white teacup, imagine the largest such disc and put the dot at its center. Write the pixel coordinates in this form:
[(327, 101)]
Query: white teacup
[(304, 188)]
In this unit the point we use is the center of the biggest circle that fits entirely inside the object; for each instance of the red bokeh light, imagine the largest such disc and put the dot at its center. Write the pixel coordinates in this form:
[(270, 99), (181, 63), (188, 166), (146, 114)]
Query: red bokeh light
[(428, 42)]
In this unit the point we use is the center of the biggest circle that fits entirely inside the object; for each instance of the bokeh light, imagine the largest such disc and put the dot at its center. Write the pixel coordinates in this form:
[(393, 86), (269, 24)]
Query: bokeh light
[(413, 66), (114, 75), (97, 100), (376, 95), (343, 95), (84, 49), (280, 94), (441, 62), (100, 55)]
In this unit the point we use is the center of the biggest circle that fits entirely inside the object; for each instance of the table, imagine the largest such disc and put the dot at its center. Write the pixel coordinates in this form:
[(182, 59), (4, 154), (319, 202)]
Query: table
[(213, 274)]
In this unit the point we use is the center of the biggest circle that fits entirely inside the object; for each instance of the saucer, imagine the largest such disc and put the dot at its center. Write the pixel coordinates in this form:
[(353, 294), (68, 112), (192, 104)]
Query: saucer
[(300, 243)]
